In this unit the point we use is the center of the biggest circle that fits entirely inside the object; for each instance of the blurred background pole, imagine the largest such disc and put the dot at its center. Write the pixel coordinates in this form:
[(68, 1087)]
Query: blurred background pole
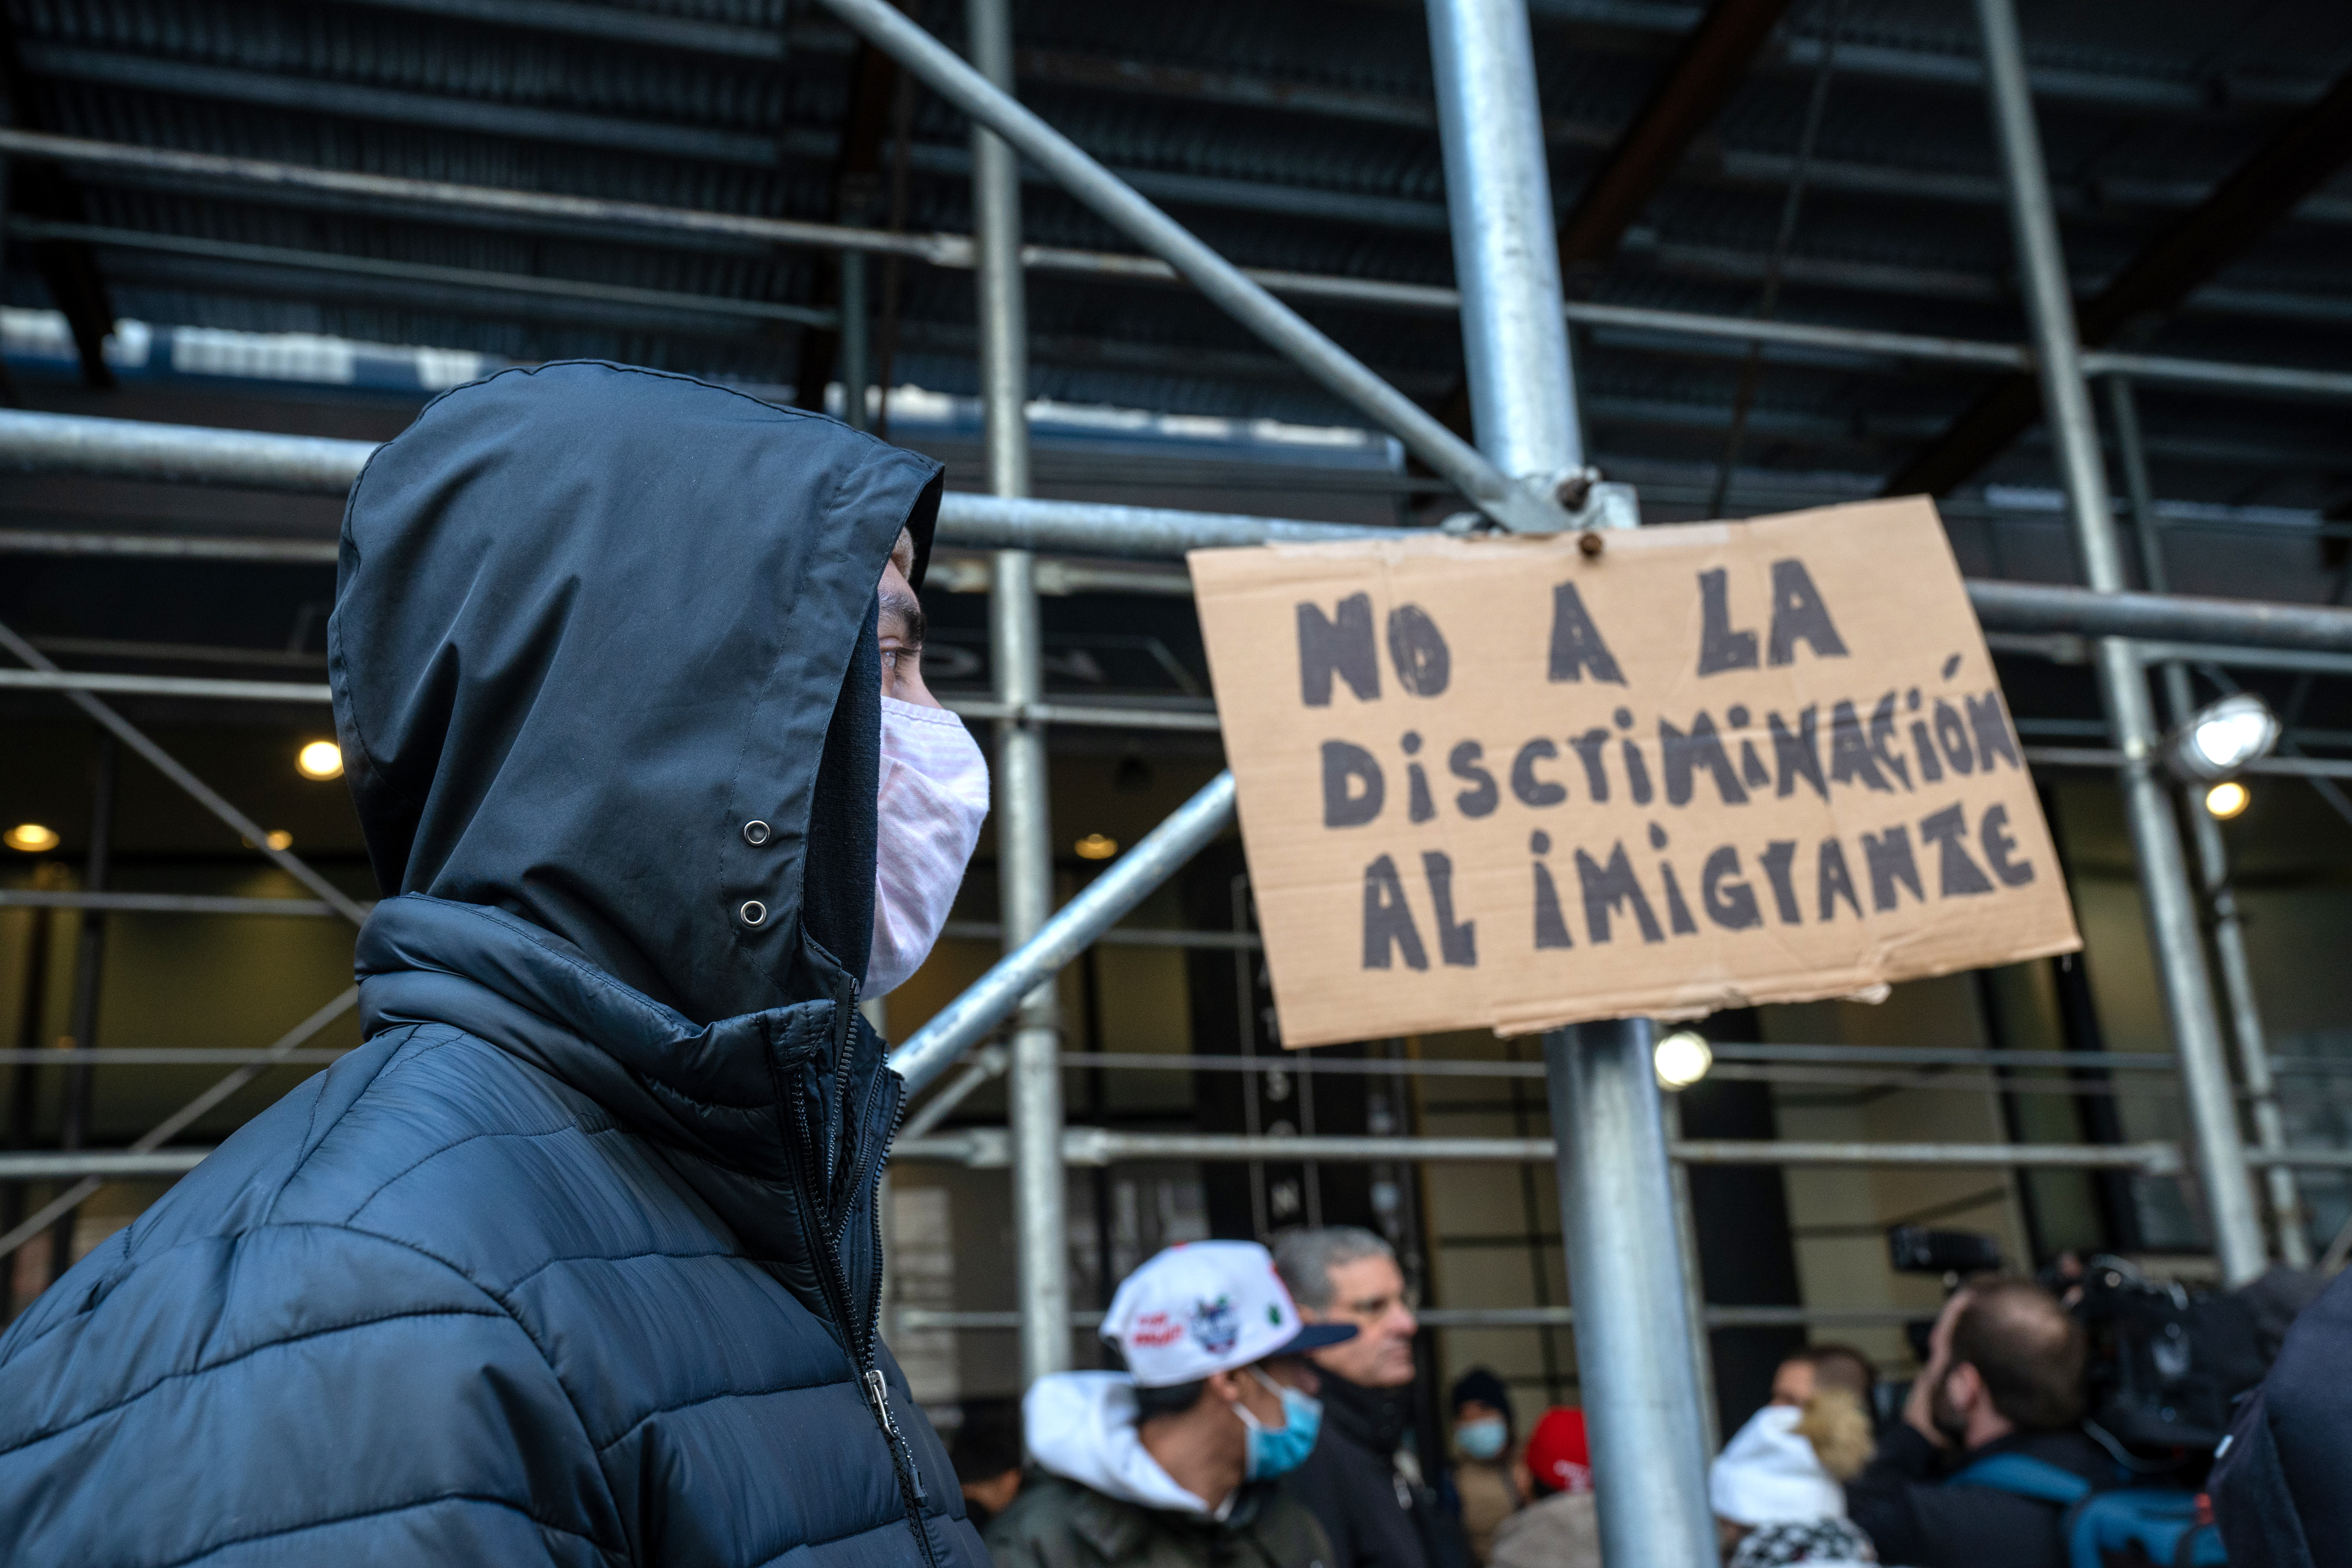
[(856, 356), (1025, 834), (2171, 903), (2285, 1195), (1670, 1111), (89, 975), (1634, 1327)]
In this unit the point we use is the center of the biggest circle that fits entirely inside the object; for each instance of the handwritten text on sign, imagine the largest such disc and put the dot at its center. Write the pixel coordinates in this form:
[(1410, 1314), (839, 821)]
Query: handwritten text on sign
[(1497, 782)]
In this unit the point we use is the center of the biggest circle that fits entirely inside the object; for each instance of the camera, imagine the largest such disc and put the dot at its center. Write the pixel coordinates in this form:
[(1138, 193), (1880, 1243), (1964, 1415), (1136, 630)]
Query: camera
[(1954, 1254), (2166, 1364)]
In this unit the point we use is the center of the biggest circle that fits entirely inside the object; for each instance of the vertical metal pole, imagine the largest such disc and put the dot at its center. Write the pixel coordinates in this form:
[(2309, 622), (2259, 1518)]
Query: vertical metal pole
[(2285, 1195), (89, 973), (25, 1082), (1024, 848), (857, 359), (2173, 930), (1625, 1282), (1633, 1329), (1506, 252)]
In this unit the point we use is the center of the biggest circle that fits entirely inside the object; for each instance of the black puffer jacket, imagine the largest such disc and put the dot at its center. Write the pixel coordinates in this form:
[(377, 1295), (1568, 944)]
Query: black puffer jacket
[(1378, 1510), (575, 1260)]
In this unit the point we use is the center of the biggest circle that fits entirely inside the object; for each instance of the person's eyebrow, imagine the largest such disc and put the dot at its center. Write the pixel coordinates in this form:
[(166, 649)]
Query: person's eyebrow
[(910, 612)]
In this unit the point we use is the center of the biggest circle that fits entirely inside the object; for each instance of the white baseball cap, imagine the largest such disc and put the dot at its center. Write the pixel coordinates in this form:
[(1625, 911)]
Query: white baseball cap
[(1208, 1306)]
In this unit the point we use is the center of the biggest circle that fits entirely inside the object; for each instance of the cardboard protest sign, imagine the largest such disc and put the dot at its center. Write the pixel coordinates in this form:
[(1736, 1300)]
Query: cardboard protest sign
[(1499, 782)]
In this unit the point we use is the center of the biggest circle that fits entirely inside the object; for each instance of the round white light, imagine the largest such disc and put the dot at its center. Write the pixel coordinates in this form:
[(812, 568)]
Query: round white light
[(319, 760), (2227, 798), (1682, 1059), (32, 838), (2225, 737)]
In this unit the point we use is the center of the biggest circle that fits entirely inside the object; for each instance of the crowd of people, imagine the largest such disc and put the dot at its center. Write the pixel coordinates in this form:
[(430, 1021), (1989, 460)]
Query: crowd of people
[(1266, 1405)]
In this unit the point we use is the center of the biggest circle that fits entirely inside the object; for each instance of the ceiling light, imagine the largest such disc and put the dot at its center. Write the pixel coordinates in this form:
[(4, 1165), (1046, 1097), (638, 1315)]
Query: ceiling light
[(319, 760), (280, 839), (2219, 740), (2227, 799), (1682, 1059), (32, 838), (1096, 846)]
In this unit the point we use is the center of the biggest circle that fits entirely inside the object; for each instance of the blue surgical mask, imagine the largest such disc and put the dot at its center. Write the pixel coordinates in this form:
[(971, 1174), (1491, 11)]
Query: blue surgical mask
[(1485, 1438), (1276, 1450)]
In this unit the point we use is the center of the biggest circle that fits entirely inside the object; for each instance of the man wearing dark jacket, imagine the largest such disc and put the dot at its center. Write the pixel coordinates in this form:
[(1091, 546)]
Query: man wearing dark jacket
[(1370, 1490), (2004, 1375), (575, 1260), (2281, 1483)]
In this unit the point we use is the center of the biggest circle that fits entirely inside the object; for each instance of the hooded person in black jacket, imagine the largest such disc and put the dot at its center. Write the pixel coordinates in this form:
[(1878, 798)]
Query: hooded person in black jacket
[(576, 1258), (2004, 1375), (1371, 1491)]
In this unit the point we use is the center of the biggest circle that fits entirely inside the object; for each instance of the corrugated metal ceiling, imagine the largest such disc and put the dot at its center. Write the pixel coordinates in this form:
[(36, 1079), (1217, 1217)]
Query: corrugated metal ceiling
[(1293, 135)]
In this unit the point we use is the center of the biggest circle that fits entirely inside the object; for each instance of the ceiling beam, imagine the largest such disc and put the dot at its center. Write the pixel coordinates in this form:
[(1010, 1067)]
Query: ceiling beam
[(1708, 67), (857, 192), (2311, 147), (69, 270)]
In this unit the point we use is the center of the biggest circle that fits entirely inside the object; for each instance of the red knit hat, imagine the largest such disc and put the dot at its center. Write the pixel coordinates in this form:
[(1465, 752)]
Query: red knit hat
[(1557, 1454)]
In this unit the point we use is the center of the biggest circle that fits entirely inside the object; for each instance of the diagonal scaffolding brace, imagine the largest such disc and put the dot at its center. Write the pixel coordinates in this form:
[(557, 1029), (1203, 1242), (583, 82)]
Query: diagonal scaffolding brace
[(1521, 508)]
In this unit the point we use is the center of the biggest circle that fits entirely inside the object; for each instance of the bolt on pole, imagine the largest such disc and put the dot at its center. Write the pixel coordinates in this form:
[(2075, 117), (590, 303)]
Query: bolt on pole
[(2171, 902), (1635, 1333), (2287, 1216), (1025, 847)]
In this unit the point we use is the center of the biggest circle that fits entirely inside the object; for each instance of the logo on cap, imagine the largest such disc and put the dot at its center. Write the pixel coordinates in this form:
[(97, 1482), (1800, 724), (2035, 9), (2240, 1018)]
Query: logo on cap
[(1217, 1324), (1152, 1331)]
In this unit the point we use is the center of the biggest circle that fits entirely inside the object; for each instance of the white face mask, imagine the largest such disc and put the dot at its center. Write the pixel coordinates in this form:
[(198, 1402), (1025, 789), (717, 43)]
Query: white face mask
[(928, 811)]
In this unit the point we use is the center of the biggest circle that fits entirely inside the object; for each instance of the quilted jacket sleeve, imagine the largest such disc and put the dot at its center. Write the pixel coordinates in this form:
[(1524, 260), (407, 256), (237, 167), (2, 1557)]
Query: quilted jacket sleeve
[(291, 1394)]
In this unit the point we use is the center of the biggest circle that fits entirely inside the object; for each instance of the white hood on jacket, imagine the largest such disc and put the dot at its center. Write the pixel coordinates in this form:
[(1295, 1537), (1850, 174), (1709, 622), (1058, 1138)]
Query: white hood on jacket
[(1080, 1425)]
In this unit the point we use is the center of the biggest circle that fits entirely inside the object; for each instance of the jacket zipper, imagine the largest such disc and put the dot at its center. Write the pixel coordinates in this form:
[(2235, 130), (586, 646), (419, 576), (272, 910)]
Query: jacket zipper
[(862, 1336)]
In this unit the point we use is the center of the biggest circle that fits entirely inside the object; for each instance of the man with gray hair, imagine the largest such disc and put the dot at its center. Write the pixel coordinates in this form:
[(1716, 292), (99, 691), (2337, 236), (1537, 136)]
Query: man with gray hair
[(1372, 1493)]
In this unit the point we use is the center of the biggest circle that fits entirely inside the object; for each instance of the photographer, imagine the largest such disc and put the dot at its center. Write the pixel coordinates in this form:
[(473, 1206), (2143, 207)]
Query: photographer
[(2004, 1375)]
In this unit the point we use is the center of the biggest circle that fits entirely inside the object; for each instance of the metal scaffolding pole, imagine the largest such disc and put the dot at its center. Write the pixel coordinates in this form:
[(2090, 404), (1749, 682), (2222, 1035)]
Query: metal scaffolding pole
[(857, 337), (2287, 1217), (989, 1148), (2179, 948), (89, 978), (1024, 847), (1625, 1273), (1102, 904)]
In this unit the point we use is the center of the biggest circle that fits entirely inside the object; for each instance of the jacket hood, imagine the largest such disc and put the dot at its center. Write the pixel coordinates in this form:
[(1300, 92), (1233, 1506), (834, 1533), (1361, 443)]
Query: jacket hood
[(1080, 1425), (604, 657)]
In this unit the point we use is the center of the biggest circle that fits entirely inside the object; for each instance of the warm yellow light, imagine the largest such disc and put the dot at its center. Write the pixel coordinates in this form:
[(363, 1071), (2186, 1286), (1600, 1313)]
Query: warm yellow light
[(31, 837), (2227, 799), (319, 760), (1096, 846), (280, 839), (1682, 1059)]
